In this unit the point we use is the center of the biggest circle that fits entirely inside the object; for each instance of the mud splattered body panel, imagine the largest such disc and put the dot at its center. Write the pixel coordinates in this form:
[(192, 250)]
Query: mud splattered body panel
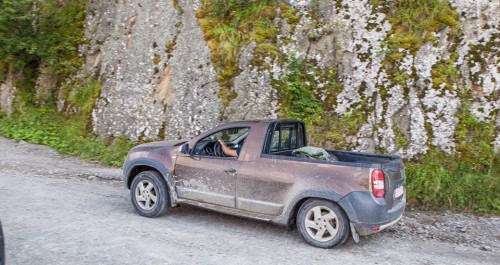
[(204, 179), (265, 181)]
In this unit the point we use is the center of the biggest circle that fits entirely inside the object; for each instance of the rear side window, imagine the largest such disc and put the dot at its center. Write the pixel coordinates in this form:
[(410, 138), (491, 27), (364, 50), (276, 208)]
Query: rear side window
[(286, 136)]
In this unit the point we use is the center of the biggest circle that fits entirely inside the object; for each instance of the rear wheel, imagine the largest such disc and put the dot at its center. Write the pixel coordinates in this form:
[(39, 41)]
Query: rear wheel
[(149, 194), (322, 223)]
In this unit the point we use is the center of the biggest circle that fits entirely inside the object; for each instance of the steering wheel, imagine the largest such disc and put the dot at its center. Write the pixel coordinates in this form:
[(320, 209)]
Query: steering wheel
[(208, 150), (218, 149)]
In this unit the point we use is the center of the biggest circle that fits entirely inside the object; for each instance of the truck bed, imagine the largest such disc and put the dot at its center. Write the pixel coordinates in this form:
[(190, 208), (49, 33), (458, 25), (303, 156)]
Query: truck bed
[(345, 156), (392, 165)]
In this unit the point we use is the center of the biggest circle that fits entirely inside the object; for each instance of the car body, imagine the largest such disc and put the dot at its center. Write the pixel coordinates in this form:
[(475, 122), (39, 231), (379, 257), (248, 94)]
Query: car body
[(357, 193)]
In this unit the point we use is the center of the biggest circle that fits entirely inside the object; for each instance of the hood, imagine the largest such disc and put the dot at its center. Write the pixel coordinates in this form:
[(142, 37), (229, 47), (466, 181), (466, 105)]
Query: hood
[(162, 148), (159, 144)]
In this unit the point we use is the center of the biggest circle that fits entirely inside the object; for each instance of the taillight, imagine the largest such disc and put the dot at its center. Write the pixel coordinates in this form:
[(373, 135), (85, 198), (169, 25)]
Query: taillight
[(378, 183)]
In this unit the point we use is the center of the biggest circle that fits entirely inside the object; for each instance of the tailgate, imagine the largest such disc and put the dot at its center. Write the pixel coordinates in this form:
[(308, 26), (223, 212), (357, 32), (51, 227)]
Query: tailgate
[(394, 172)]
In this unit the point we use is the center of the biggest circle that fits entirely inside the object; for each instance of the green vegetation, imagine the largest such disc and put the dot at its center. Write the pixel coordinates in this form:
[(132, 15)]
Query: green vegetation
[(16, 38), (468, 181), (439, 181), (445, 72), (48, 31), (305, 93), (400, 138), (230, 25), (178, 7), (156, 59), (473, 140), (289, 14), (32, 32), (67, 135), (70, 131), (309, 94), (415, 21), (335, 129), (298, 98), (169, 48)]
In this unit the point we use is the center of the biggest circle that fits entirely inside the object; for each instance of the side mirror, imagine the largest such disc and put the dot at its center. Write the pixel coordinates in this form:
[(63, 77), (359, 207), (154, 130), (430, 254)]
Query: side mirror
[(185, 149)]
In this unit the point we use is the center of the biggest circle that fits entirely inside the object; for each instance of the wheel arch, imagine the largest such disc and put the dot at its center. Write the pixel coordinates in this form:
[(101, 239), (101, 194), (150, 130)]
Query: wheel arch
[(138, 169), (132, 168), (298, 201), (342, 230)]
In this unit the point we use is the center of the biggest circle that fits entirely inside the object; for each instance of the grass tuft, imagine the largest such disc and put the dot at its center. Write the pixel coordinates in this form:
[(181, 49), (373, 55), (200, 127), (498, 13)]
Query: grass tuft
[(442, 182), (415, 21), (230, 25)]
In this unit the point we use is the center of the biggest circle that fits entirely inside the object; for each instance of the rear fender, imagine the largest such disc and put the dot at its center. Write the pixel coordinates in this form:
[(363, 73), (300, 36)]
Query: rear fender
[(297, 201)]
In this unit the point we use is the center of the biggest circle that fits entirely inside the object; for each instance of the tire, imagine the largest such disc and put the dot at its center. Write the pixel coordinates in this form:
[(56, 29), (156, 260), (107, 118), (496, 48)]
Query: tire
[(322, 223), (149, 194)]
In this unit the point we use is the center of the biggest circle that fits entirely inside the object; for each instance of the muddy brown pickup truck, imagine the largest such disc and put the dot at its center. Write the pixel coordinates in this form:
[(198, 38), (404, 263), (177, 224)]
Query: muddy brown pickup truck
[(253, 169)]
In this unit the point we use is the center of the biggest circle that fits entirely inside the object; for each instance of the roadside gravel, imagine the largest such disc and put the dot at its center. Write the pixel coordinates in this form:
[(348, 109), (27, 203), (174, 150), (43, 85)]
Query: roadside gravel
[(57, 209), (461, 229)]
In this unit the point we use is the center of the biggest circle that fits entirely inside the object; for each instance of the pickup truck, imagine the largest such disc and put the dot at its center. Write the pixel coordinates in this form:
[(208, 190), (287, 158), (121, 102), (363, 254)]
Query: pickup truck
[(327, 200)]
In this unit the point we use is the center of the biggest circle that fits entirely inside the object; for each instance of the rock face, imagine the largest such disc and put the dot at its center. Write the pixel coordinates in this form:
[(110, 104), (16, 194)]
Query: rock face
[(125, 38), (416, 105), (256, 98), (158, 79), (155, 70), (193, 106), (7, 92)]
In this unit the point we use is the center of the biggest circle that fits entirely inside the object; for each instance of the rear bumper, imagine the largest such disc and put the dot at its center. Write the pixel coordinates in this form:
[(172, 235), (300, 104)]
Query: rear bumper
[(368, 229), (370, 215)]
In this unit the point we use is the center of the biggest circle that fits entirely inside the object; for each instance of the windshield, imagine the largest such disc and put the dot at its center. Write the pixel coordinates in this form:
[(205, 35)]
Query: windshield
[(230, 135)]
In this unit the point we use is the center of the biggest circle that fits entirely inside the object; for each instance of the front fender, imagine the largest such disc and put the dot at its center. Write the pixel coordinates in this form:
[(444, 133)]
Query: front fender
[(132, 167)]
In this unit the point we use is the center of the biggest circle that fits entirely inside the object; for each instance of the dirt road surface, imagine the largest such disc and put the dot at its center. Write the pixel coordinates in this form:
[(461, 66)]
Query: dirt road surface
[(62, 210)]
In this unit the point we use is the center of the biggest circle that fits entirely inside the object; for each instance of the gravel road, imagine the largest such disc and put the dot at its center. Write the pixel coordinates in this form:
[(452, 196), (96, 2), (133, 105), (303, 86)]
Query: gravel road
[(57, 209)]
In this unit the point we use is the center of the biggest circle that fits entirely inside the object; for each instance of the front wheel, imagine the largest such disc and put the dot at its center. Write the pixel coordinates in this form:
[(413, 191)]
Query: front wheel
[(322, 223), (149, 194)]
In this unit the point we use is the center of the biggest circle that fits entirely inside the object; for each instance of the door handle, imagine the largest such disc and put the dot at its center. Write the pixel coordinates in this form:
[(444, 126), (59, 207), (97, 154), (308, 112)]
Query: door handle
[(230, 170)]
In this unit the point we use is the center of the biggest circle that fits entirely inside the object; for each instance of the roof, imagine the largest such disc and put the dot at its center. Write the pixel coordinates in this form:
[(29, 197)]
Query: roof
[(266, 121)]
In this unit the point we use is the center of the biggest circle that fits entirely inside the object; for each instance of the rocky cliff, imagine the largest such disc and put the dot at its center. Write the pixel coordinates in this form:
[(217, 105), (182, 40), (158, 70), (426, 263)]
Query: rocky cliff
[(377, 74)]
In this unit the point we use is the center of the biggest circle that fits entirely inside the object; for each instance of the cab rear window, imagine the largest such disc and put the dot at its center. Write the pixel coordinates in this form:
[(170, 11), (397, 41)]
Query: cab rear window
[(286, 137)]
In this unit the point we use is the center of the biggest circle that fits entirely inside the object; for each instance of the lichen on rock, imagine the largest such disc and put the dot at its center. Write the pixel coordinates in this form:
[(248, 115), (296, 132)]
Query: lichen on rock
[(255, 97), (127, 36), (195, 106), (360, 59), (408, 98), (149, 90)]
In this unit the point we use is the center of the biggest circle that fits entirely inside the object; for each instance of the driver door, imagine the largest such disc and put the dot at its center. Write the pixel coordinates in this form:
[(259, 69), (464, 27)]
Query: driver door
[(205, 175)]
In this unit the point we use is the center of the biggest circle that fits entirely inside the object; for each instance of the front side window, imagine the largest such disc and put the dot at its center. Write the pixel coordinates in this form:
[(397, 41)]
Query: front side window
[(232, 138)]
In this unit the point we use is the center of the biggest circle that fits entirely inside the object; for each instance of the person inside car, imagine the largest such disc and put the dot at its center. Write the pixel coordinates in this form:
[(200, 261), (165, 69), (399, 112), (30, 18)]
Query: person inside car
[(228, 151)]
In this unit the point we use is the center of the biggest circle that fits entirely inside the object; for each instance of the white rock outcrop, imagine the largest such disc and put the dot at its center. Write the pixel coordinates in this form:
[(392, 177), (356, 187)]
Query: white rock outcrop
[(158, 79)]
